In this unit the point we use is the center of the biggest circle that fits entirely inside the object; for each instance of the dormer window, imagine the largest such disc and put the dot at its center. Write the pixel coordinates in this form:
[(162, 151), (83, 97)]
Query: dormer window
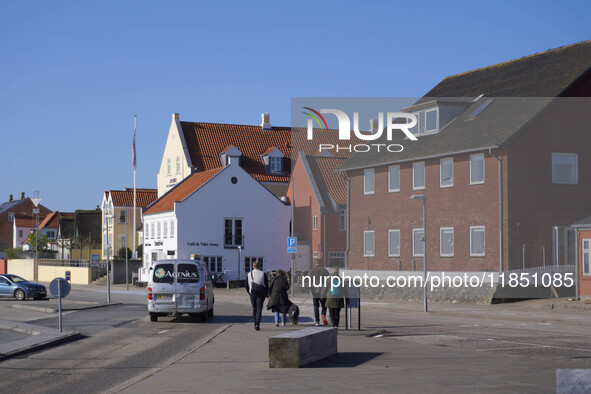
[(427, 121), (230, 155), (273, 160)]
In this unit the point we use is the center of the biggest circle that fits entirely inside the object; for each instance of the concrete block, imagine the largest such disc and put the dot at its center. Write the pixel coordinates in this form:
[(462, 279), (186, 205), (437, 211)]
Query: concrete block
[(298, 348)]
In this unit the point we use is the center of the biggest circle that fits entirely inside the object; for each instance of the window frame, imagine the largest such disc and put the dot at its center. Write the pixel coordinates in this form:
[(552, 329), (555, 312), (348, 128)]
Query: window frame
[(234, 234), (575, 165), (276, 164), (390, 253), (441, 232), (479, 182), (414, 171), (390, 188), (366, 177), (178, 164), (472, 253), (366, 233), (343, 219), (441, 164), (414, 246), (168, 167)]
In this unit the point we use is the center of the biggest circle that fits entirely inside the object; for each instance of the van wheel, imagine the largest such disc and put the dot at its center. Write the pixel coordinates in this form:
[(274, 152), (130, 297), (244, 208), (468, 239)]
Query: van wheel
[(204, 316), (210, 312), (153, 317)]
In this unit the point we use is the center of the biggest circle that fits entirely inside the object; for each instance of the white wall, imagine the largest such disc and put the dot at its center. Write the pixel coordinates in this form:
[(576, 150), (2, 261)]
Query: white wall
[(200, 222)]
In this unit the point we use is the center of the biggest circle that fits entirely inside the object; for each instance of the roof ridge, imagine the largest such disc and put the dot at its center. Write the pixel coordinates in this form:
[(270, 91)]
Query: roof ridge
[(235, 124), (527, 57)]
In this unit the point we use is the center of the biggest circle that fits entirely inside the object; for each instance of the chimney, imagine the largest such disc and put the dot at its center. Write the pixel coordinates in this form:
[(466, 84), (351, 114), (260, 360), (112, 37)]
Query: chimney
[(373, 125), (266, 121), (22, 195), (175, 116), (10, 198)]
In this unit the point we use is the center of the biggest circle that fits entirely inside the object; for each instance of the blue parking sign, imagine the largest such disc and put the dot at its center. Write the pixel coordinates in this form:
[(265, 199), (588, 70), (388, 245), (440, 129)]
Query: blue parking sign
[(292, 243)]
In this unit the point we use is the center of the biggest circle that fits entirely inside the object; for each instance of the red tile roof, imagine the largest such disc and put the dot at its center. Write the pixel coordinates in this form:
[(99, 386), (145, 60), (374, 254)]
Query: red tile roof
[(24, 220), (50, 221), (328, 181), (206, 141), (181, 191), (124, 198)]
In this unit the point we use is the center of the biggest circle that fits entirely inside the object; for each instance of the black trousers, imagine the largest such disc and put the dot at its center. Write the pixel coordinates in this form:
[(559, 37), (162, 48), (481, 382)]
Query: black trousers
[(335, 316), (257, 308), (317, 303)]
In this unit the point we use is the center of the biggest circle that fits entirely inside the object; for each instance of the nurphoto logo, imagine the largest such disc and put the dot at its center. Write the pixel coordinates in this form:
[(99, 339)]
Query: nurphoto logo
[(404, 122)]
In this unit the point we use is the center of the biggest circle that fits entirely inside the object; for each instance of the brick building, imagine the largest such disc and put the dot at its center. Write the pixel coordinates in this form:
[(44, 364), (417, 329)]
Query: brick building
[(8, 210), (502, 158)]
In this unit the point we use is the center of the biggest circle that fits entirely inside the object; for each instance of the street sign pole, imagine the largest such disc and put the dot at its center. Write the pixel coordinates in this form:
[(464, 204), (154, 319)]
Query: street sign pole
[(59, 303)]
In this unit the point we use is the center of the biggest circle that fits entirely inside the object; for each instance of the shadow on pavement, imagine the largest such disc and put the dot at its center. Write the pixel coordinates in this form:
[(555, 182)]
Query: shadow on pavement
[(345, 360)]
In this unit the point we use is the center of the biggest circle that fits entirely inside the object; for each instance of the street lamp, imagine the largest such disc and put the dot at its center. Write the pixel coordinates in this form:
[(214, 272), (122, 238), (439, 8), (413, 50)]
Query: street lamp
[(108, 215), (36, 200), (424, 199)]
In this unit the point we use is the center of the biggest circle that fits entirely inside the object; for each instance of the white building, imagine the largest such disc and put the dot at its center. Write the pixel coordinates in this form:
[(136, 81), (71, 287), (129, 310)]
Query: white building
[(223, 214)]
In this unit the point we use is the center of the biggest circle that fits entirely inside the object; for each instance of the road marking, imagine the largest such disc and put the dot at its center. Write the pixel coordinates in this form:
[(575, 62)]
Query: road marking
[(163, 331)]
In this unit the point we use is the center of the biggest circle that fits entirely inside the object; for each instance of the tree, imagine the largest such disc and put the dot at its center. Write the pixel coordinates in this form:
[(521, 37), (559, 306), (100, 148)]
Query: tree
[(122, 251), (140, 252), (14, 253), (38, 242)]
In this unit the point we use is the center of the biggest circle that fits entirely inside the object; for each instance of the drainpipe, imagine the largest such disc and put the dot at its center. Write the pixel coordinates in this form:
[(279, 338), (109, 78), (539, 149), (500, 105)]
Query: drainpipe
[(347, 217), (500, 208), (577, 262)]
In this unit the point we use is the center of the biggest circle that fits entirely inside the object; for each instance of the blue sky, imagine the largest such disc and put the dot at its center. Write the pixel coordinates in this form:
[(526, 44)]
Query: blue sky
[(73, 74)]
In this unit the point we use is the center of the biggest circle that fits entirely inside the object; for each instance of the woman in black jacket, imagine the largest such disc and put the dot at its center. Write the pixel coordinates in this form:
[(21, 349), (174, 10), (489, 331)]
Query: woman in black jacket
[(278, 299)]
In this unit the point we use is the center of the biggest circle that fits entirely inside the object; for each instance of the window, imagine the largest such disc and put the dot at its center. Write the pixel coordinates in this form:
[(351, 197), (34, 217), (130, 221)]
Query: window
[(431, 121), (233, 236), (147, 231), (122, 243), (314, 222), (418, 242), (565, 168), (275, 163), (153, 229), (368, 181), (476, 240), (168, 167), (178, 164), (159, 235), (163, 273), (165, 224), (446, 241), (368, 244), (418, 175), (480, 109), (446, 172), (586, 257), (123, 217), (394, 243), (393, 179), (214, 263), (20, 233), (315, 254), (187, 273), (427, 122), (477, 169), (10, 217), (172, 229), (336, 259), (248, 263), (342, 219)]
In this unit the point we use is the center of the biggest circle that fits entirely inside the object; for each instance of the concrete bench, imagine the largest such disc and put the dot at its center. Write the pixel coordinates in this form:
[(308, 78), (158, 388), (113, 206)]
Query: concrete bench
[(298, 348)]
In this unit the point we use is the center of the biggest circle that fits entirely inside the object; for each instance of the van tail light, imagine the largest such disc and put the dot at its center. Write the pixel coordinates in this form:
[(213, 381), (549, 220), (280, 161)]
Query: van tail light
[(150, 297), (202, 293)]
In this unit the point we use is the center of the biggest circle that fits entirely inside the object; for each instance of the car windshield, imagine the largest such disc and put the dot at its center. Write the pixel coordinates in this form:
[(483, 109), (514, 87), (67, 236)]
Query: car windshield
[(17, 279)]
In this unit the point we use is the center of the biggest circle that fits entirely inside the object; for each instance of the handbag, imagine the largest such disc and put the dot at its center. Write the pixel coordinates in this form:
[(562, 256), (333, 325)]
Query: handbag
[(258, 290)]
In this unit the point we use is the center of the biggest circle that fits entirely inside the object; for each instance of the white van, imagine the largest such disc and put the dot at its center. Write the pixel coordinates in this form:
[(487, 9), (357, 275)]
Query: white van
[(178, 287)]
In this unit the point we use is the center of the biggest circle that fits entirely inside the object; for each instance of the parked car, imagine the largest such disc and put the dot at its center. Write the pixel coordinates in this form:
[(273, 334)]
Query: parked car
[(19, 288), (179, 287)]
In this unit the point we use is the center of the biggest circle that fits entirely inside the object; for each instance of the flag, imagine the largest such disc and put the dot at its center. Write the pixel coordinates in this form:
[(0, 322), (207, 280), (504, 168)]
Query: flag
[(133, 154)]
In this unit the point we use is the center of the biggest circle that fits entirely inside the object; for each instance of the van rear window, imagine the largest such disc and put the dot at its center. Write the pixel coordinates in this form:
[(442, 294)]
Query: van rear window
[(188, 273), (163, 273)]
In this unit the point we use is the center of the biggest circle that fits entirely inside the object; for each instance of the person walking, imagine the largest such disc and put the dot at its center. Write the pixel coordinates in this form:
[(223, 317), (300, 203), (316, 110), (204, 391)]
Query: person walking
[(279, 301), (318, 276), (257, 285), (337, 296)]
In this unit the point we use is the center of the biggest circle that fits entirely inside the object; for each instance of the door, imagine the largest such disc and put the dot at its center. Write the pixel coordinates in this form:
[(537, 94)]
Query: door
[(187, 287), (5, 287), (163, 287)]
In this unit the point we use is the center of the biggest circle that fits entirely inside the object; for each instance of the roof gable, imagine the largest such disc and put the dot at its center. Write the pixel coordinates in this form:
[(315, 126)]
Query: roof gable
[(181, 191)]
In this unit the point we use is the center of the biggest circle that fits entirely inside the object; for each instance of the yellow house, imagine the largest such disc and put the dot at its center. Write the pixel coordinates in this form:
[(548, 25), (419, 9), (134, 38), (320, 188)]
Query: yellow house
[(119, 228)]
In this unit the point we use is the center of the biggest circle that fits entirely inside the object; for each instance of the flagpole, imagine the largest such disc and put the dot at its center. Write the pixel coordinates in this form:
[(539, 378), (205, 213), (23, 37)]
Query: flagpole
[(134, 191)]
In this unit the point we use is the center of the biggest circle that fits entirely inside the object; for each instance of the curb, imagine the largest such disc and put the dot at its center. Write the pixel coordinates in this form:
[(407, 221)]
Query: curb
[(64, 308)]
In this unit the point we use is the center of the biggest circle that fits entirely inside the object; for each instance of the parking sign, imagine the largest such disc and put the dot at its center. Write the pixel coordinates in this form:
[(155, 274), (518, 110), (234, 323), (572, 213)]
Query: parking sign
[(292, 243)]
